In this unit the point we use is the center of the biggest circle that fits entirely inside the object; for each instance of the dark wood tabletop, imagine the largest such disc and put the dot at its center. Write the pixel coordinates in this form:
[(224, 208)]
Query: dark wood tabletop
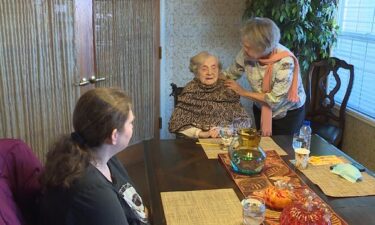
[(181, 165)]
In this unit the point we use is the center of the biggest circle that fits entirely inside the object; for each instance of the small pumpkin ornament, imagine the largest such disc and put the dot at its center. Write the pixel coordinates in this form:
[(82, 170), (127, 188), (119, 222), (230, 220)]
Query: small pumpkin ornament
[(277, 198)]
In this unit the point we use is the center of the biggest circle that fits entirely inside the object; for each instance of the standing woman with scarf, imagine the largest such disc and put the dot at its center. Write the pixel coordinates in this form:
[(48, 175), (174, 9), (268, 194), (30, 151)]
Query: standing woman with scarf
[(274, 76)]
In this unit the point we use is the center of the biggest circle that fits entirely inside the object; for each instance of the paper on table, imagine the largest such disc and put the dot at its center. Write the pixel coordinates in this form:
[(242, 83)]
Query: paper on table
[(326, 160), (203, 207)]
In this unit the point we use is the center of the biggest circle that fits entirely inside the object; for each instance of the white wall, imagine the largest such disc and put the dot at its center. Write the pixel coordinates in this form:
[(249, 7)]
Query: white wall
[(188, 27)]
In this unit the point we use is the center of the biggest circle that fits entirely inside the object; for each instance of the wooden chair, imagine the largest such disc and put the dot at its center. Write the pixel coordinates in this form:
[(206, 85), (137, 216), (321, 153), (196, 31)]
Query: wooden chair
[(176, 91), (327, 121)]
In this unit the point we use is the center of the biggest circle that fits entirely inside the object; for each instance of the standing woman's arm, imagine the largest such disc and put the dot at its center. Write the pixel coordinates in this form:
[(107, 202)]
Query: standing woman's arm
[(254, 96), (281, 82)]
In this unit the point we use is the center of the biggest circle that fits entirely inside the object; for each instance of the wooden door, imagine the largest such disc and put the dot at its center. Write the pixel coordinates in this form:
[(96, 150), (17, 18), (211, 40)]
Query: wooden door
[(46, 48)]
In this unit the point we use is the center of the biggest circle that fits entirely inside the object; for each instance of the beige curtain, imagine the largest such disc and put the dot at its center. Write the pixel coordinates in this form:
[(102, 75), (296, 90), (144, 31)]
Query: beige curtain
[(38, 65), (125, 55), (37, 70)]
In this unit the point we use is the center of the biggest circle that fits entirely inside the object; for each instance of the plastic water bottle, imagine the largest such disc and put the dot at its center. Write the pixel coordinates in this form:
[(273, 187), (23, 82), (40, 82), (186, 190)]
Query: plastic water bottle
[(302, 138), (305, 134)]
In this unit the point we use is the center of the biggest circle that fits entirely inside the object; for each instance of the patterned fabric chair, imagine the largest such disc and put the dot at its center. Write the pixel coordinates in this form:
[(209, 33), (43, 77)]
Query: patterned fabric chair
[(20, 171), (327, 121)]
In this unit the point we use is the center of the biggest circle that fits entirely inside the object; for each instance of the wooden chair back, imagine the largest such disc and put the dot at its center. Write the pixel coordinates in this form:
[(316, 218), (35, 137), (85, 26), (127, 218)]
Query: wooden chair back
[(176, 91), (326, 120)]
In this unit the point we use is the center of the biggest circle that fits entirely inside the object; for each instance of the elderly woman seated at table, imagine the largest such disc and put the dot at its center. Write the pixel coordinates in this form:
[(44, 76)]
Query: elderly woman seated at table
[(204, 102)]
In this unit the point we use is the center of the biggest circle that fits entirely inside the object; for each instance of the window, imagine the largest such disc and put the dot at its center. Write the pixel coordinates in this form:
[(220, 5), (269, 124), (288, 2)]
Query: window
[(356, 45)]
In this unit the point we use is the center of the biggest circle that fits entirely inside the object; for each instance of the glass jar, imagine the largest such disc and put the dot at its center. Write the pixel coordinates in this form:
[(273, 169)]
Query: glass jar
[(246, 156)]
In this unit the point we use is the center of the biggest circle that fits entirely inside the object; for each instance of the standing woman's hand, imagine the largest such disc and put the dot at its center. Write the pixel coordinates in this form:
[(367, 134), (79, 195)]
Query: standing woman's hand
[(234, 86)]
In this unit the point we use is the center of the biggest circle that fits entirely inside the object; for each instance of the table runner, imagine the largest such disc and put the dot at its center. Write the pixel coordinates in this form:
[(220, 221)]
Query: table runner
[(212, 147), (274, 169), (205, 207)]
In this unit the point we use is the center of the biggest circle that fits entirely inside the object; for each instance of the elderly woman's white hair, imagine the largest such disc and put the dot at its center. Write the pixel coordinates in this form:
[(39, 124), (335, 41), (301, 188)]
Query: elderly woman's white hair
[(198, 59), (262, 34)]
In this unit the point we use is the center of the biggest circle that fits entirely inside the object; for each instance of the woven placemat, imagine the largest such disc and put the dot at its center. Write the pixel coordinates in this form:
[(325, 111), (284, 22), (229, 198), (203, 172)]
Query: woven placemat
[(336, 186), (205, 207), (268, 144), (212, 146)]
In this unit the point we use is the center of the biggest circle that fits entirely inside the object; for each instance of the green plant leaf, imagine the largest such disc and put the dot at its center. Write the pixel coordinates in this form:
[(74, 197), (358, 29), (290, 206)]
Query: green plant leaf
[(281, 18)]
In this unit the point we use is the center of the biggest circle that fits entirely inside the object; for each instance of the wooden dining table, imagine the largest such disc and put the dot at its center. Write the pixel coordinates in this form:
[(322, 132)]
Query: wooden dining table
[(181, 165)]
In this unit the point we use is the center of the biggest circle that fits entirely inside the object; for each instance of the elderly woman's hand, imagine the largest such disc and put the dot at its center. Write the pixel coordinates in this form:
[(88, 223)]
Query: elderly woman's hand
[(234, 86), (213, 133)]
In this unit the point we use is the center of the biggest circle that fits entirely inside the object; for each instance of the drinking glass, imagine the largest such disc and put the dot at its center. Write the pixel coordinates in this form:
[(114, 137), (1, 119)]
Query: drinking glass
[(241, 123), (254, 210), (226, 133), (301, 157)]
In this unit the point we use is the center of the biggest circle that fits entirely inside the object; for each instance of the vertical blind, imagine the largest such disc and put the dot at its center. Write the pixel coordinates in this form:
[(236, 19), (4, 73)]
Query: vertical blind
[(125, 55), (37, 68), (356, 45)]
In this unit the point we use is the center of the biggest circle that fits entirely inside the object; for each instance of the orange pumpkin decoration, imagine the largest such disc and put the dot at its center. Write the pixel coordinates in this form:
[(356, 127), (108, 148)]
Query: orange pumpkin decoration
[(277, 198)]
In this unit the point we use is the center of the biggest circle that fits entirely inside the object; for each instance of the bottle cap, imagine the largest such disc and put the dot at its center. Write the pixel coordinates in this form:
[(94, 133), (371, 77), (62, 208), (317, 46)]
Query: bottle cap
[(306, 122)]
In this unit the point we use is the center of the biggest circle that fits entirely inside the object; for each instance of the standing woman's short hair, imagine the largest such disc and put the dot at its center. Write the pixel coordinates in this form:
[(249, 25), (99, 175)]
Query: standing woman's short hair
[(97, 113), (198, 59), (262, 34)]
